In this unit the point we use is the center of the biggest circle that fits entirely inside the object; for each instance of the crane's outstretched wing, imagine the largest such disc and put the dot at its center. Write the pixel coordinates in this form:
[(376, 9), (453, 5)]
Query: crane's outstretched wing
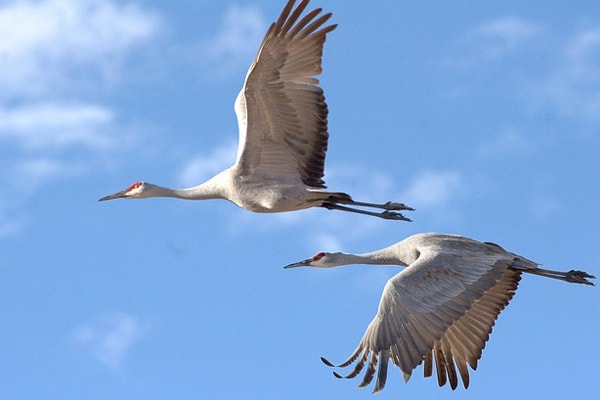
[(442, 307), (281, 110)]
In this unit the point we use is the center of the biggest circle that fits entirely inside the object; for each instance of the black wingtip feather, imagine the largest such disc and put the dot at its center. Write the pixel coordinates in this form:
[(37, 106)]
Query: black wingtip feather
[(327, 362)]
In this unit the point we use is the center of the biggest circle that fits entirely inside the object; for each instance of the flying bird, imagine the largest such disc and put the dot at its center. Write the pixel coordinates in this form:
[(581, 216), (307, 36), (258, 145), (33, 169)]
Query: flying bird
[(282, 121), (441, 307)]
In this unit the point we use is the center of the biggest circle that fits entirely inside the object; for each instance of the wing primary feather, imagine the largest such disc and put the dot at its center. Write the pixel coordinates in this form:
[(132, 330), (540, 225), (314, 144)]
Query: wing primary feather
[(287, 20), (415, 355), (439, 364), (305, 20), (428, 367), (382, 371), (370, 373), (327, 362), (404, 361), (455, 341), (449, 363), (359, 365), (352, 357), (316, 24)]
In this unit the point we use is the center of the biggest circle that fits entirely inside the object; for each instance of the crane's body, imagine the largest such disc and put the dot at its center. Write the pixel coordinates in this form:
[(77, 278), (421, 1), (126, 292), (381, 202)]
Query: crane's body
[(441, 307), (283, 134), (249, 193)]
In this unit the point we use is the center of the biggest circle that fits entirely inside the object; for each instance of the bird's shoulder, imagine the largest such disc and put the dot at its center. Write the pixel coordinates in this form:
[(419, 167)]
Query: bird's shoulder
[(444, 269)]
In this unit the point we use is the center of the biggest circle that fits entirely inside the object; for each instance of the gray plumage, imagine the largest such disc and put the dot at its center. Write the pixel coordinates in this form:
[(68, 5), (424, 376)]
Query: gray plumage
[(440, 309), (282, 121)]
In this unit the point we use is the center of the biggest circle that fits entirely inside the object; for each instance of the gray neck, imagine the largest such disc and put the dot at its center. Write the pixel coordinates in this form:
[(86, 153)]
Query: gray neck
[(211, 189), (379, 257)]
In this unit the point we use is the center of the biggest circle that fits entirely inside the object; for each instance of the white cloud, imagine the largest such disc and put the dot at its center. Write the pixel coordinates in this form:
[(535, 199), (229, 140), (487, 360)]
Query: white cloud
[(585, 45), (109, 339), (567, 84), (54, 54), (35, 171), (511, 30), (505, 34), (507, 143), (235, 44), (325, 242), (433, 189), (45, 44), (493, 40), (203, 167), (573, 89), (361, 182), (56, 125)]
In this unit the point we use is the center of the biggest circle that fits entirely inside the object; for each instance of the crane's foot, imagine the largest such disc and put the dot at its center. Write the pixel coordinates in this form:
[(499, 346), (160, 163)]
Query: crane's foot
[(397, 206), (393, 215), (579, 277)]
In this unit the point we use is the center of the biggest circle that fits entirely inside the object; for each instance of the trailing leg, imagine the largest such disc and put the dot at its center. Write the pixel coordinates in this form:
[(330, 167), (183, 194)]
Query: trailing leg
[(572, 276), (387, 214)]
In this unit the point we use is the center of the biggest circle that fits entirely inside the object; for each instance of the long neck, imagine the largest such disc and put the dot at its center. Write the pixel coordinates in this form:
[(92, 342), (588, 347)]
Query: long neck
[(211, 189), (379, 257)]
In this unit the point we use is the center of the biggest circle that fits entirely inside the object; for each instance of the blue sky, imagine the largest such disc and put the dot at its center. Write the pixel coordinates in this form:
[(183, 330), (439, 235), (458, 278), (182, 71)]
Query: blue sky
[(486, 118)]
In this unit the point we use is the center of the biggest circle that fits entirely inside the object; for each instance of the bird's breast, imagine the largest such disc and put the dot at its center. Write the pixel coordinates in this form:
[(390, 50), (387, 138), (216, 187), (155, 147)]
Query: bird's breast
[(272, 198)]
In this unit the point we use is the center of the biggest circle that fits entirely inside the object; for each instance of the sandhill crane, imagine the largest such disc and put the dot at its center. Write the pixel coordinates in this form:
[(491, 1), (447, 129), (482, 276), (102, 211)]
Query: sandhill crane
[(441, 307), (282, 120)]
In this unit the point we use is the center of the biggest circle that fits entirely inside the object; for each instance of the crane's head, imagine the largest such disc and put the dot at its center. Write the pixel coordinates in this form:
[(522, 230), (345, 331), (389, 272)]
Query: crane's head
[(319, 260), (137, 190)]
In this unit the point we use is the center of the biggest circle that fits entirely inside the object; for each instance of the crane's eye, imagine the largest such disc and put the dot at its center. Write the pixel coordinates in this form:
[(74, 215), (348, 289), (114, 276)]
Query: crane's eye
[(318, 256), (135, 185)]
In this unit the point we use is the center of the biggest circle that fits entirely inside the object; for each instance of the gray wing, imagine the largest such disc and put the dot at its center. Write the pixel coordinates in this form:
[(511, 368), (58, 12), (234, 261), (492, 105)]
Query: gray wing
[(281, 110), (442, 305)]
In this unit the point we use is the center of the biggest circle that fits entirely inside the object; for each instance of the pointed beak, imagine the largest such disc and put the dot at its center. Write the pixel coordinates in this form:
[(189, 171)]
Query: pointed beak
[(303, 263), (118, 195)]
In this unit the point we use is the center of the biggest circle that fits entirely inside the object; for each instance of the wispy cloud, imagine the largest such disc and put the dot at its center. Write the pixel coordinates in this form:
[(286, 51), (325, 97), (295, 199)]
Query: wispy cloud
[(493, 40), (236, 42), (108, 339), (45, 44), (565, 79), (325, 241), (434, 189), (204, 166), (37, 171), (544, 206), (573, 88), (56, 125), (364, 183), (57, 57), (504, 35), (506, 143)]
